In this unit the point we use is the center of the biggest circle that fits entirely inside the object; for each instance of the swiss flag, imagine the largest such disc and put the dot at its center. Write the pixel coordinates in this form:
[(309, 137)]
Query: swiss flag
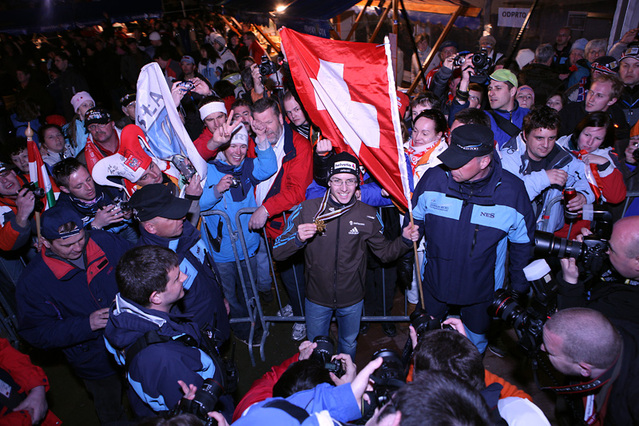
[(348, 91)]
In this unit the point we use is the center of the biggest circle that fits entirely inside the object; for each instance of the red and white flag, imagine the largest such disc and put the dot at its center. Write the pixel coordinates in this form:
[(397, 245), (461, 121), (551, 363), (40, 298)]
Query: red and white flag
[(38, 174), (348, 90)]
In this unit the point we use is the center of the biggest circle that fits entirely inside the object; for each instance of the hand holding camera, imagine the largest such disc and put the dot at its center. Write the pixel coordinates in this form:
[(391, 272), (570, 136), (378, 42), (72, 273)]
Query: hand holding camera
[(227, 182)]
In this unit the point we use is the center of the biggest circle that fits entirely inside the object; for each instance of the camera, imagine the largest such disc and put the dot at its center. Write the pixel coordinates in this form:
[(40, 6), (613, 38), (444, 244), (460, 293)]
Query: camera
[(528, 322), (39, 193), (323, 354), (184, 166), (387, 379), (33, 187), (480, 60), (124, 206), (423, 323), (187, 86), (235, 182), (591, 253), (203, 402), (267, 67)]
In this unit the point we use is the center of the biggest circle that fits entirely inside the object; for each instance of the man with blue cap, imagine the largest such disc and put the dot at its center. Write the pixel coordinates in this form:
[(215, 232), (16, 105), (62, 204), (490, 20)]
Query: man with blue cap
[(63, 301)]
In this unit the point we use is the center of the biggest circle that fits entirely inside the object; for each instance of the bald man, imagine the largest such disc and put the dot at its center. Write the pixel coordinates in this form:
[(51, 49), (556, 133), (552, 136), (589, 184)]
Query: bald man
[(615, 292), (593, 353)]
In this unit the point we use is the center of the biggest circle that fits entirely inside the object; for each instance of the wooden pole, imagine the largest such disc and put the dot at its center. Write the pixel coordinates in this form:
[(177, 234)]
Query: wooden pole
[(381, 20), (29, 135), (418, 268), (412, 40), (267, 38), (356, 23), (461, 9), (230, 25)]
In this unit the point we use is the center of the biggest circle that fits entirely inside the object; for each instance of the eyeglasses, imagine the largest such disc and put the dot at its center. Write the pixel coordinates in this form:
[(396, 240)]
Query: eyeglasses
[(340, 182), (95, 126)]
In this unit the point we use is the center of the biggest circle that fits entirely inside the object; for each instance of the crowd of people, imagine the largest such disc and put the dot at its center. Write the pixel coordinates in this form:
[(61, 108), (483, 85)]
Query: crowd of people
[(124, 274)]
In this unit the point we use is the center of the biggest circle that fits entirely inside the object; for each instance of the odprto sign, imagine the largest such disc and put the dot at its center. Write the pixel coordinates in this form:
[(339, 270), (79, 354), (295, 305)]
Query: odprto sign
[(511, 17)]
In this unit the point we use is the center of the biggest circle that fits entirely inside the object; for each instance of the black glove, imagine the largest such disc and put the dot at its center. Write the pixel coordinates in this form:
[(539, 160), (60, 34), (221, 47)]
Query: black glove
[(405, 271)]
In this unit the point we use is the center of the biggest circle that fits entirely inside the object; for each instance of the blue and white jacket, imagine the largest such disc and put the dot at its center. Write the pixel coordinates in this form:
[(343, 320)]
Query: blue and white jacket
[(468, 227), (154, 372), (250, 172), (324, 403), (546, 198)]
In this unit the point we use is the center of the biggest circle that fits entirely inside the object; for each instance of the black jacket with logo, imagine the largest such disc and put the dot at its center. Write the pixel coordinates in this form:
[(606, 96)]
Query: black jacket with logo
[(336, 259)]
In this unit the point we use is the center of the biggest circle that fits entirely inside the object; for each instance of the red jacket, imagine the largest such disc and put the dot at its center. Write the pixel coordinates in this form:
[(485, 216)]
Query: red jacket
[(289, 187), (262, 388), (12, 236), (27, 376)]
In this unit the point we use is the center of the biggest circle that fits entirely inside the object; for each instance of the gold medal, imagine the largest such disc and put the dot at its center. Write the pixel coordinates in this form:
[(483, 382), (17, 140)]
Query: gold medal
[(321, 225)]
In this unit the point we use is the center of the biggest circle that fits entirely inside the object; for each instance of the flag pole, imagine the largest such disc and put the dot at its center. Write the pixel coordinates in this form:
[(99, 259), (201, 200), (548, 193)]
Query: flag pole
[(29, 135), (403, 168)]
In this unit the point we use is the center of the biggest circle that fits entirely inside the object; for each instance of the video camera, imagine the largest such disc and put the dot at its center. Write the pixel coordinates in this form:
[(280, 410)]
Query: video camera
[(323, 354), (480, 60), (528, 322)]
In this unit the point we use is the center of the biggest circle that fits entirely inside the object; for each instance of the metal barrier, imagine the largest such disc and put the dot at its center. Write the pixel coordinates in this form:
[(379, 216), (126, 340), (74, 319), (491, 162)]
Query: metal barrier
[(254, 307)]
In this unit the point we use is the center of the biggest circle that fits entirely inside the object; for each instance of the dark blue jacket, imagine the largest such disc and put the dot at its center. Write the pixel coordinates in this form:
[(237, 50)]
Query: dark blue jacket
[(55, 299), (203, 301), (468, 227), (153, 373)]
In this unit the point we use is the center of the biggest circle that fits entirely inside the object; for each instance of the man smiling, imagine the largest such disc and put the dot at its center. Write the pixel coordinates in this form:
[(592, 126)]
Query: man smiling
[(336, 230), (546, 168)]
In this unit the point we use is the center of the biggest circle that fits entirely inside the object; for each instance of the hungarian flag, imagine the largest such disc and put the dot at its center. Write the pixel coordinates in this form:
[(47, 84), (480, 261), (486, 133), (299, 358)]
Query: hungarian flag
[(348, 90), (38, 174)]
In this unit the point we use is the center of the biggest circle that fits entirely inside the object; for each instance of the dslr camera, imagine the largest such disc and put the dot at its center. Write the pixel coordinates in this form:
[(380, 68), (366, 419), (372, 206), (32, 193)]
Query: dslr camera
[(203, 402), (591, 253), (267, 67), (38, 192), (323, 354), (387, 379), (480, 60), (423, 323), (528, 322)]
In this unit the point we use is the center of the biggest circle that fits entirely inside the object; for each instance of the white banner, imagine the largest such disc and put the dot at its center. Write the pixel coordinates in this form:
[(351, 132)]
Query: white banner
[(512, 17), (157, 116)]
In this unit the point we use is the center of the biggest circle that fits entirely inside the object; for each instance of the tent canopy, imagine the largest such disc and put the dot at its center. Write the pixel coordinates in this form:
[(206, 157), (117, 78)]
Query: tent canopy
[(50, 15)]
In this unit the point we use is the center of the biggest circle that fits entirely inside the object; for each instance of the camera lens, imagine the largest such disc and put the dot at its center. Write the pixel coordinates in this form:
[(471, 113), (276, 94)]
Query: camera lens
[(324, 350), (506, 308), (546, 244)]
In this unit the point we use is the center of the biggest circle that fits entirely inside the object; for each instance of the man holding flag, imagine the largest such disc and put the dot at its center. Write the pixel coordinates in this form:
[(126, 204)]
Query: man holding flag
[(471, 211)]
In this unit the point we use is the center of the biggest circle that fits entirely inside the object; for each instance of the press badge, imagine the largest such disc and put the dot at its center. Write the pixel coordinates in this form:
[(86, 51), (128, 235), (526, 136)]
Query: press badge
[(5, 389)]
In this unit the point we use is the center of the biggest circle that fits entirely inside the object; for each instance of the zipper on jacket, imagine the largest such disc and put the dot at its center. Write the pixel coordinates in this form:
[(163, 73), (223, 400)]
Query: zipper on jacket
[(472, 247)]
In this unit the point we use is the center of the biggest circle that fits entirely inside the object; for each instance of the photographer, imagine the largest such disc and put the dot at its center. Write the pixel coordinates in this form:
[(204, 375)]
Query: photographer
[(157, 347), (450, 351), (16, 207), (615, 292), (601, 360), (342, 403)]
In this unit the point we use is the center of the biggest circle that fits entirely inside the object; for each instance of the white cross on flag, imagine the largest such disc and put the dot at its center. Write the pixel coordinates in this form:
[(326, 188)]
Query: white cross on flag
[(348, 90)]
